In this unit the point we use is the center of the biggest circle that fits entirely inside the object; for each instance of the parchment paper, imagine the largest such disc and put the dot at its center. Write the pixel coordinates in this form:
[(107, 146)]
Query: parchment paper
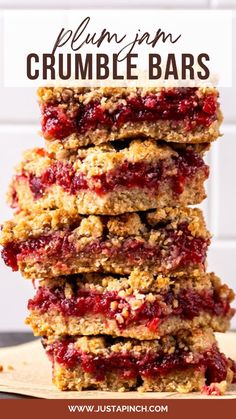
[(27, 371)]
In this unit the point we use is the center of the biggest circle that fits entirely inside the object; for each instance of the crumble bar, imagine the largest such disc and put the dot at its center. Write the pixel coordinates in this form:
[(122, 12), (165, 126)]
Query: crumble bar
[(54, 243), (104, 180), (185, 362), (141, 306), (75, 117)]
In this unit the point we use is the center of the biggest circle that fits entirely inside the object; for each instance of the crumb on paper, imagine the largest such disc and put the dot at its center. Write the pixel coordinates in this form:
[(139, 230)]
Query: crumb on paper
[(215, 389), (1, 368), (10, 368)]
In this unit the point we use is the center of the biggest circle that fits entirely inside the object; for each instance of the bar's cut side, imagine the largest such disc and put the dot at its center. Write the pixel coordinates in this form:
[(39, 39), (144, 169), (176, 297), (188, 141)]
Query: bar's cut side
[(105, 180), (183, 363), (140, 306), (167, 241), (73, 117)]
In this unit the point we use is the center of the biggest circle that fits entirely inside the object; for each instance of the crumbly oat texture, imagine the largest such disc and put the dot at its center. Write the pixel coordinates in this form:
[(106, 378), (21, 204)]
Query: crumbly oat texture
[(111, 97), (71, 100), (103, 180), (141, 306), (124, 302), (173, 363), (170, 240), (30, 225)]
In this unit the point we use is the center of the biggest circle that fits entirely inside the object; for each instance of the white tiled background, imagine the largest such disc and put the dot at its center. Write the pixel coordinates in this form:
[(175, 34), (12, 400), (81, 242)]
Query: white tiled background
[(19, 124)]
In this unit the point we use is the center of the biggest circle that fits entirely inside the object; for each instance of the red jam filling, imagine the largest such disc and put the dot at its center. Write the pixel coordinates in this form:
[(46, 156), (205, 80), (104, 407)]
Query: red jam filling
[(183, 250), (128, 175), (233, 368), (176, 104), (133, 365), (190, 304), (51, 245)]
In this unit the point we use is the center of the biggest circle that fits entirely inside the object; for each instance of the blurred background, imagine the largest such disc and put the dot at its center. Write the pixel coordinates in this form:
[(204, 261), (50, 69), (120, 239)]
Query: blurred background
[(19, 127)]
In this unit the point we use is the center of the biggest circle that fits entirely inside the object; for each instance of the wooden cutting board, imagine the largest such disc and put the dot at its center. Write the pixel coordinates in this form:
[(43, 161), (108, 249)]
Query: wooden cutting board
[(27, 371)]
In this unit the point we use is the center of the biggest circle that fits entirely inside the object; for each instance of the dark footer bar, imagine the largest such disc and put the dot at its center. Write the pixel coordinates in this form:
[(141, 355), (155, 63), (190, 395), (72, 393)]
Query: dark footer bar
[(125, 408)]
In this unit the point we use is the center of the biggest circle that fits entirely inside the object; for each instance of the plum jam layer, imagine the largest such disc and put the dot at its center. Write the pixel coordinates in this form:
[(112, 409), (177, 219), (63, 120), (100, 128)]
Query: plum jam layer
[(133, 365), (176, 171), (180, 248), (176, 104), (111, 306)]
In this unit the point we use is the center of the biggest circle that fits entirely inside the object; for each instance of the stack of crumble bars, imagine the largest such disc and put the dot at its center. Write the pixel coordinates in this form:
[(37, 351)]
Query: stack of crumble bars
[(102, 221)]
